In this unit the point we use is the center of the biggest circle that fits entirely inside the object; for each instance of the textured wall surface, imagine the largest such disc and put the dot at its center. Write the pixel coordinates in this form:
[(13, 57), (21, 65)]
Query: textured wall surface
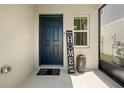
[(16, 43)]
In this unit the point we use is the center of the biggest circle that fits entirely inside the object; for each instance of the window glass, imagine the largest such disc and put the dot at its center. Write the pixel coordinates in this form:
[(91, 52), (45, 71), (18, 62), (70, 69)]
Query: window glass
[(76, 24), (84, 23), (81, 31), (80, 38), (112, 41)]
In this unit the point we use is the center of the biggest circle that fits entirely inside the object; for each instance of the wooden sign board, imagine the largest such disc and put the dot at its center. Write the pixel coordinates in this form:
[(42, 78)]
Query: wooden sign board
[(70, 51)]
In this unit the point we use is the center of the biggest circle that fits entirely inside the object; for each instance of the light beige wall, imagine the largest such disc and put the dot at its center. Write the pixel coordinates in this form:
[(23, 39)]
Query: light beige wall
[(17, 34), (16, 43), (68, 12)]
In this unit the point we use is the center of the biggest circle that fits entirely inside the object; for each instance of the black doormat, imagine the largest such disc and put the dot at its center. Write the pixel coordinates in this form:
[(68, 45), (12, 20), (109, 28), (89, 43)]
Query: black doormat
[(49, 72)]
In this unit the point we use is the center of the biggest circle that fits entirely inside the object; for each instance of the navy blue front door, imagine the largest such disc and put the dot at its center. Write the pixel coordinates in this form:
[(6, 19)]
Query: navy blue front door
[(50, 40)]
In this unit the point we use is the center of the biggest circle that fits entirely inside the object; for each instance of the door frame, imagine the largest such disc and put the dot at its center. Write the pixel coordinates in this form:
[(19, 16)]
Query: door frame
[(62, 40)]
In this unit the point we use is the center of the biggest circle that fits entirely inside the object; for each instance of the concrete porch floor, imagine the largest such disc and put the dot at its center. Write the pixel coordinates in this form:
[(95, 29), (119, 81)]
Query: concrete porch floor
[(90, 79)]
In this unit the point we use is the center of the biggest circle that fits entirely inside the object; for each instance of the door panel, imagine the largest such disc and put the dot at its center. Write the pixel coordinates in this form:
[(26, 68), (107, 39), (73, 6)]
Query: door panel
[(51, 40), (55, 34)]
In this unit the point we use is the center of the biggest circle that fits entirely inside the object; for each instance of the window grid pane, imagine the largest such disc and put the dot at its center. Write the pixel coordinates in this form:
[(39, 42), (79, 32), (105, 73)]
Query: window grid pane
[(84, 23), (80, 38), (76, 24)]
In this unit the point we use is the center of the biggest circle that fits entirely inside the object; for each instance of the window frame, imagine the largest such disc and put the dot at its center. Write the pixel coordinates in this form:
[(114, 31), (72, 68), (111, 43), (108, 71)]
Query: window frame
[(105, 67), (88, 31)]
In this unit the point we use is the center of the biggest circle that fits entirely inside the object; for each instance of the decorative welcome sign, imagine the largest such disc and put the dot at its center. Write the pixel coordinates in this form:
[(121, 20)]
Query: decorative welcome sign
[(70, 51)]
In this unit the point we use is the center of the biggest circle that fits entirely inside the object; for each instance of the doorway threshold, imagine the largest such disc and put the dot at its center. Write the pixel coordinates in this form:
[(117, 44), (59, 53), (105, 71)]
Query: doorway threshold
[(51, 66)]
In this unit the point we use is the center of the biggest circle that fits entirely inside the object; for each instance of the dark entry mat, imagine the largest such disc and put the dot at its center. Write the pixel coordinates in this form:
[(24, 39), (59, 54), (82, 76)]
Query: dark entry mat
[(49, 72)]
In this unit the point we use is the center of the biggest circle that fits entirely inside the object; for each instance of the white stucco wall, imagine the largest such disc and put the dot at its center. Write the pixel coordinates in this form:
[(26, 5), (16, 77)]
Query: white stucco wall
[(19, 27), (16, 43), (68, 12)]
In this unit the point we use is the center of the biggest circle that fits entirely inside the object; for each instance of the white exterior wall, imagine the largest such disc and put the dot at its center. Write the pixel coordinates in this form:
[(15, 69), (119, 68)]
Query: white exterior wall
[(16, 43), (68, 12), (19, 29)]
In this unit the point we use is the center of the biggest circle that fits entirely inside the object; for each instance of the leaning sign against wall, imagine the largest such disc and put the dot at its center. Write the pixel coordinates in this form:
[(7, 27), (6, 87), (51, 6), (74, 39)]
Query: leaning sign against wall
[(70, 51)]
